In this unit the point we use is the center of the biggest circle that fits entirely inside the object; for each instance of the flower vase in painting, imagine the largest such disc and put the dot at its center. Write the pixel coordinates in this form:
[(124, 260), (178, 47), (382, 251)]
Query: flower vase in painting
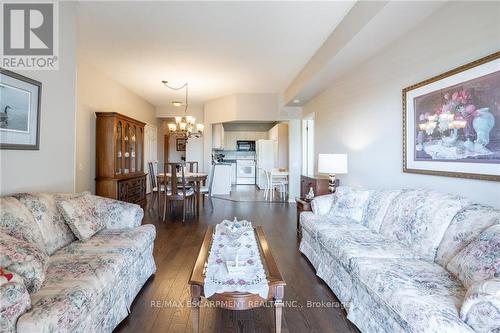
[(460, 123)]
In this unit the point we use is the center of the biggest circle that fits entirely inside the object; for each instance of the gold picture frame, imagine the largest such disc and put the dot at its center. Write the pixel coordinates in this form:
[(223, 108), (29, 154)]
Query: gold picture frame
[(406, 120)]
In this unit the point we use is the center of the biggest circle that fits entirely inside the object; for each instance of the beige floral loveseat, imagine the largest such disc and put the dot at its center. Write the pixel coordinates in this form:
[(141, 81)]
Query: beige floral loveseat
[(77, 262)]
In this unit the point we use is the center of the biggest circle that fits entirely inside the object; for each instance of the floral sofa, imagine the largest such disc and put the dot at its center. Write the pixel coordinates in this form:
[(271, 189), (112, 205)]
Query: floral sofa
[(75, 262), (407, 260)]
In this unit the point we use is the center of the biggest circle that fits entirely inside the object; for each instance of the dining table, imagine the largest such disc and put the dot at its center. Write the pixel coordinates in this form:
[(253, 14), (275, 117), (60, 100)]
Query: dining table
[(197, 178), (279, 172)]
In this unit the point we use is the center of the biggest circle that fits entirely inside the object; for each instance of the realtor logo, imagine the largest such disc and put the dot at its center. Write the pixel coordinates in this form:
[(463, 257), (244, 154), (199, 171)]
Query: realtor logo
[(29, 32)]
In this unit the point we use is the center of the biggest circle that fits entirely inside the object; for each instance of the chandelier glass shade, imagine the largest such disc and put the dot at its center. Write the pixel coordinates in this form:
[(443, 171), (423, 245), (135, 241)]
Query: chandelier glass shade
[(185, 126)]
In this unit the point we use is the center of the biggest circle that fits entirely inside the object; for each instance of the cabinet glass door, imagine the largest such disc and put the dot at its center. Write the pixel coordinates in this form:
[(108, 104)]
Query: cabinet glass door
[(126, 153), (140, 144), (133, 144), (119, 151)]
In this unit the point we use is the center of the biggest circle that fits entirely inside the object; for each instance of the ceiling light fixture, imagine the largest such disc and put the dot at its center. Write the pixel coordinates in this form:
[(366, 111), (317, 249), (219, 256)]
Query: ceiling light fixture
[(296, 101), (184, 125)]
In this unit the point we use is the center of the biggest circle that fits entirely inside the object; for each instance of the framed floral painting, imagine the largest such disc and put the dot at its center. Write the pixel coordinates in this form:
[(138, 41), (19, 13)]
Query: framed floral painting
[(451, 122)]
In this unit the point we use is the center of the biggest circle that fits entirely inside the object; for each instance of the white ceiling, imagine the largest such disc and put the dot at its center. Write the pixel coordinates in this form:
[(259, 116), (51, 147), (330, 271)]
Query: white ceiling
[(220, 48), (405, 15)]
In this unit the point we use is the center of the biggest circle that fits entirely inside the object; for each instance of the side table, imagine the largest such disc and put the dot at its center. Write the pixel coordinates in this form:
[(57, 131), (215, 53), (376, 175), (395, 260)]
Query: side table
[(302, 206)]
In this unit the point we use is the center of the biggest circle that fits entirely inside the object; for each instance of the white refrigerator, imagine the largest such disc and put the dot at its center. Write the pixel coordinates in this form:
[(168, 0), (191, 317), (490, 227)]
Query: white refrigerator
[(265, 160)]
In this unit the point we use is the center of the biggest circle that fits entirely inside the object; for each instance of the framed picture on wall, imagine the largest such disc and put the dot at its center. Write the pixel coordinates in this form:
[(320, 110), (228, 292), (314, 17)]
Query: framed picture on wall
[(20, 99), (181, 144), (451, 122)]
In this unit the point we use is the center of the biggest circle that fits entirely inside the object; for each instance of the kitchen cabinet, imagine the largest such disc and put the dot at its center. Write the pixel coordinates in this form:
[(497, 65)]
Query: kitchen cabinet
[(230, 138), (233, 173), (218, 136), (230, 141)]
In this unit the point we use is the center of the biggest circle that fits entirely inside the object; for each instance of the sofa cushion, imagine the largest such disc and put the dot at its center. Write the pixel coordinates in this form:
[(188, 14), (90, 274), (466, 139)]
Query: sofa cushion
[(377, 206), (43, 206), (25, 259), (81, 275), (14, 301), (17, 221), (345, 242), (130, 242), (115, 214), (315, 224), (419, 218), (322, 204), (464, 228), (74, 285), (350, 203), (480, 260), (481, 306), (421, 296), (82, 216)]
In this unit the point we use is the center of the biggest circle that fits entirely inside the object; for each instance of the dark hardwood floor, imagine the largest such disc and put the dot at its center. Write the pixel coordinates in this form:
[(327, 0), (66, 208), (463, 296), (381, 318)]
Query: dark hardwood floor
[(162, 305), (251, 193)]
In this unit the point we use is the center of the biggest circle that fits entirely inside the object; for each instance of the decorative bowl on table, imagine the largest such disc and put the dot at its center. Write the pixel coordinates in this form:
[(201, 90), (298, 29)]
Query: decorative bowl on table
[(235, 226), (235, 229)]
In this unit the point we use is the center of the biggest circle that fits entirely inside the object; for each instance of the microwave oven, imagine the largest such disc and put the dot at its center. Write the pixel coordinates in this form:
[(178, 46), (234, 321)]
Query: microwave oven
[(244, 145)]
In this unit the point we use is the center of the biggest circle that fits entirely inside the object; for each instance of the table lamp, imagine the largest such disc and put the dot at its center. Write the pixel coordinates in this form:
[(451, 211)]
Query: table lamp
[(332, 164)]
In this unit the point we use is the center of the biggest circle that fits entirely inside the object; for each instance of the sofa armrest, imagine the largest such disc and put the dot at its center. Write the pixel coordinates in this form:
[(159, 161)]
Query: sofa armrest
[(481, 306), (14, 302), (321, 205), (118, 214)]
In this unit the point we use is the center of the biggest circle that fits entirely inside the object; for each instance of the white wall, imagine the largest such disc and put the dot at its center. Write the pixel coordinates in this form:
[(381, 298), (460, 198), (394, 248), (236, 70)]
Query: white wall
[(295, 158), (98, 93), (194, 147), (173, 154), (361, 115), (52, 168)]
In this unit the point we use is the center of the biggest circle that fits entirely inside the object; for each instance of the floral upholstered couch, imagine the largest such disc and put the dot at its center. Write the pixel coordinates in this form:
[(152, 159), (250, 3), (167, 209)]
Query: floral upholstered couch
[(70, 262), (407, 260)]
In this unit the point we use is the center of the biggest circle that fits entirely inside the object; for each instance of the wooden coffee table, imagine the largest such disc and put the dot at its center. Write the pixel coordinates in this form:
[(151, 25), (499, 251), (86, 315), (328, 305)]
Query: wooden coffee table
[(238, 300)]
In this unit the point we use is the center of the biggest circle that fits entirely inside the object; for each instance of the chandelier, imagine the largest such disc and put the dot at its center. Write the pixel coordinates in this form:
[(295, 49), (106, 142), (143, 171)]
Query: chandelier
[(185, 126)]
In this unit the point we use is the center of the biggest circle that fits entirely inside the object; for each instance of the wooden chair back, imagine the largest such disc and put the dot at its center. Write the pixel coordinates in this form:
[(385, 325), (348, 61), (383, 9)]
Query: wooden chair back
[(152, 175), (177, 180), (192, 166)]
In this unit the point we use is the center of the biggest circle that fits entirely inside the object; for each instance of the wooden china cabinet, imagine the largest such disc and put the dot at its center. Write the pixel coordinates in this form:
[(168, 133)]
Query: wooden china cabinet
[(120, 158)]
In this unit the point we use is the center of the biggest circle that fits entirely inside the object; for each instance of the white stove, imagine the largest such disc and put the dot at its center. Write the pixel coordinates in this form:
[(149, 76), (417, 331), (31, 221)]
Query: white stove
[(245, 172)]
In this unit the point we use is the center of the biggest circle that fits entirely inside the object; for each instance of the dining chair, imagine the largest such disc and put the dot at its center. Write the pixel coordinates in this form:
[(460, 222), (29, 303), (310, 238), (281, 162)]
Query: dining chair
[(278, 177), (155, 189), (262, 171), (272, 184), (177, 190), (192, 166)]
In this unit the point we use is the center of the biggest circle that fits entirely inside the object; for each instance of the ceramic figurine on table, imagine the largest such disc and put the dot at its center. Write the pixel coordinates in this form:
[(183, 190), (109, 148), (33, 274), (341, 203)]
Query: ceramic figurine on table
[(310, 194)]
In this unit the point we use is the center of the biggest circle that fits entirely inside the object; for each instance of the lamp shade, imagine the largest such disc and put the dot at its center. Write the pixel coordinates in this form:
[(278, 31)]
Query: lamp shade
[(332, 163)]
